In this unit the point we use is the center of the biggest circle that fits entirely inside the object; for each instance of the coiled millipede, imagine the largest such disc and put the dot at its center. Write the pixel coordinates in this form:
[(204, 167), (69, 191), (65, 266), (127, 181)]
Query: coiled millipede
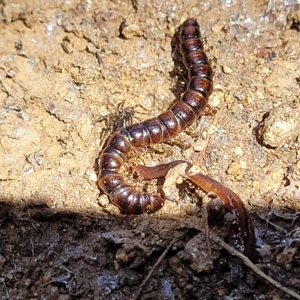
[(197, 73)]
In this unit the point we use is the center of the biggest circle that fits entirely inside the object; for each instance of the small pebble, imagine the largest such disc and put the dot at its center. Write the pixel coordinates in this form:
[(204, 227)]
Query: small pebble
[(93, 177), (217, 28), (217, 98), (281, 126), (277, 175), (238, 151), (130, 31), (91, 48), (226, 70), (233, 168)]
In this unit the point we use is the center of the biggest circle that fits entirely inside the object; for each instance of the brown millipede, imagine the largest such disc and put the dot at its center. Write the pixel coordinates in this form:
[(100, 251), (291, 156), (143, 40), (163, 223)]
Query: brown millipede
[(196, 74), (187, 53)]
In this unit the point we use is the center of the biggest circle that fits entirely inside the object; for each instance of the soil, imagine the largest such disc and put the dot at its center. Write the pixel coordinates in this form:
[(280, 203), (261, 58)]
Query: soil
[(70, 74)]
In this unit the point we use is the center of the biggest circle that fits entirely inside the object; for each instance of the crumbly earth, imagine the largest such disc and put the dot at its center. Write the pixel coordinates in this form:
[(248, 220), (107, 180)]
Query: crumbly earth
[(72, 72)]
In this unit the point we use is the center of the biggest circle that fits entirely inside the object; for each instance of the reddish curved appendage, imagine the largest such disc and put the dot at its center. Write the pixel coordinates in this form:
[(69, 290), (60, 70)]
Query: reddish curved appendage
[(192, 63), (242, 232), (155, 172)]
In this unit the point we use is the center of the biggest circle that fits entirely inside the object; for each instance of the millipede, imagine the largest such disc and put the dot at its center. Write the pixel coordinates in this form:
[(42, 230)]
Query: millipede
[(196, 73), (188, 50)]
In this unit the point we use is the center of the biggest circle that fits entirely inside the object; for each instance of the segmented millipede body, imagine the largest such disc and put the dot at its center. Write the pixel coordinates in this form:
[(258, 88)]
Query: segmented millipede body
[(189, 56)]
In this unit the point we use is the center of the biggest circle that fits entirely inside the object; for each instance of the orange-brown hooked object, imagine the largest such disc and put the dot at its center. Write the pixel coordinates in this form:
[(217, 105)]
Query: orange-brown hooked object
[(195, 69), (241, 229)]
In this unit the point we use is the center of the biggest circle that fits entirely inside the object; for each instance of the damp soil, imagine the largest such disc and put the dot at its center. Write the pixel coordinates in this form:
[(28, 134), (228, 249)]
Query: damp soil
[(70, 74)]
